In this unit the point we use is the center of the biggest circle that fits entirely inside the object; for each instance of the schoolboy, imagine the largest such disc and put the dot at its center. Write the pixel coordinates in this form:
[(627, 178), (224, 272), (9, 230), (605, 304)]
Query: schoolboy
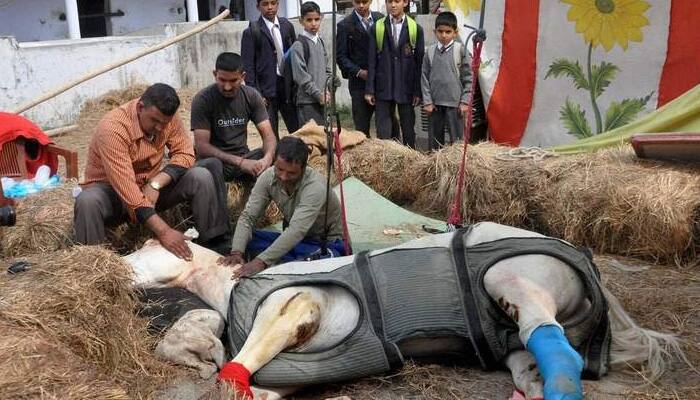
[(445, 82), (396, 49), (310, 67)]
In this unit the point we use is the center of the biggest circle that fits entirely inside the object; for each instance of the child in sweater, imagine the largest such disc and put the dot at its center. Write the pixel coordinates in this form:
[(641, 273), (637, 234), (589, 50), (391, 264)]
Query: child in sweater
[(310, 75), (445, 82)]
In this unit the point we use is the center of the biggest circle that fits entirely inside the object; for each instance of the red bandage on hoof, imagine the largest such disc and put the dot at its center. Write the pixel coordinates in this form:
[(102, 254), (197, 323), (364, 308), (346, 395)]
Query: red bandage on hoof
[(238, 376)]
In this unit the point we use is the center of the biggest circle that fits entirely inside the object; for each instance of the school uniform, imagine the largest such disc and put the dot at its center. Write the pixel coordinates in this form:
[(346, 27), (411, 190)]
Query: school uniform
[(352, 55), (262, 64), (394, 77)]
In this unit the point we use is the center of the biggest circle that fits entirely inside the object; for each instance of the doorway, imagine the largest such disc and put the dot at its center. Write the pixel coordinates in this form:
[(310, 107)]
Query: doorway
[(93, 18)]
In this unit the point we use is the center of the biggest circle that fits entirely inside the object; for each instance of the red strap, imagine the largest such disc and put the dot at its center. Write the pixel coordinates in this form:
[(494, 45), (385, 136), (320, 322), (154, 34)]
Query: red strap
[(238, 376), (455, 217), (339, 174)]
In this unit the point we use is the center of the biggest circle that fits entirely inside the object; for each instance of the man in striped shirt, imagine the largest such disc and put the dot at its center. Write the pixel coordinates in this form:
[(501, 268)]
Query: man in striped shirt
[(125, 176)]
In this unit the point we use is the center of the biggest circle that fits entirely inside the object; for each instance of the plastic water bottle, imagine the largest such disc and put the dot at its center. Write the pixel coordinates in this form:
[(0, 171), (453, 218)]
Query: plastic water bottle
[(7, 183), (41, 178)]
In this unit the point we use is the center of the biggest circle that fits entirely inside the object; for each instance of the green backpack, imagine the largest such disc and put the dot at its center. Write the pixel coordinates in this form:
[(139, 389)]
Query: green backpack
[(380, 28)]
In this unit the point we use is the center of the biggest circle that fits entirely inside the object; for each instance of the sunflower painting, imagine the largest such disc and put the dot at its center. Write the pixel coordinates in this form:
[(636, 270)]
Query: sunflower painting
[(603, 23), (466, 6)]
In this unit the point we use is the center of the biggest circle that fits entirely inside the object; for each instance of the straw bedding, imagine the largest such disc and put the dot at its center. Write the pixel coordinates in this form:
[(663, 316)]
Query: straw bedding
[(79, 338)]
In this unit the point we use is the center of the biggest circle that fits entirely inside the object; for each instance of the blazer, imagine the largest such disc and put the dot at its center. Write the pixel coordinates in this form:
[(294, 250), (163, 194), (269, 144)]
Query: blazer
[(261, 67), (395, 72), (353, 48)]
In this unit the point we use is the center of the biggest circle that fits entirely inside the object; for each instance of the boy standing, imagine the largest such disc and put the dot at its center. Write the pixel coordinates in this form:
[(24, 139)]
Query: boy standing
[(353, 45), (263, 45), (445, 82), (310, 67), (396, 50)]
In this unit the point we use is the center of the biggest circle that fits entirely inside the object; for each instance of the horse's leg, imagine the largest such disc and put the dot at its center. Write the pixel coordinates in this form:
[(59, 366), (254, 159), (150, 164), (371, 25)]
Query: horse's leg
[(526, 376), (288, 317), (533, 290)]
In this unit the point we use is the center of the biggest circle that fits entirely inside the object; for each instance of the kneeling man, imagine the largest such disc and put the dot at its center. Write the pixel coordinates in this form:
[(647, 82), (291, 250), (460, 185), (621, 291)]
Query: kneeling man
[(124, 176), (300, 194)]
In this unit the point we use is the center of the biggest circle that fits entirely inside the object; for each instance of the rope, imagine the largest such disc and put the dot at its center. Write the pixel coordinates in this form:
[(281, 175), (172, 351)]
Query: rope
[(520, 153), (339, 174), (455, 217)]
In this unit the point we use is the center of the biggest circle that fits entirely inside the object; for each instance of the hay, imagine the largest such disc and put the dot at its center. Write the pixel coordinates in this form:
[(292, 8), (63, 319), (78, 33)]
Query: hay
[(618, 204), (69, 330), (492, 187), (44, 223), (386, 166)]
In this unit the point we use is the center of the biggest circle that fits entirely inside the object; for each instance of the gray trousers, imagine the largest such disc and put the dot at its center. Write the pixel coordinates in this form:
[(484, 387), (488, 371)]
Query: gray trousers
[(308, 112), (444, 116), (99, 206)]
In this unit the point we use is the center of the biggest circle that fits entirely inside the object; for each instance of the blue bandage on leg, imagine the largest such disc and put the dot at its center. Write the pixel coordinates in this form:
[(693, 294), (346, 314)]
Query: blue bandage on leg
[(559, 364)]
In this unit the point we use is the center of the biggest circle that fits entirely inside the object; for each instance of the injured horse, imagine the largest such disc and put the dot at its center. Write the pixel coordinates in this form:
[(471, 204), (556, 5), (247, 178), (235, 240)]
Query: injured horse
[(501, 295)]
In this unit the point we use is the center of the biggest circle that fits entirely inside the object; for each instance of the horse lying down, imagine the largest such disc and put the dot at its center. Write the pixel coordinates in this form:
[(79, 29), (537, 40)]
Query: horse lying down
[(501, 295)]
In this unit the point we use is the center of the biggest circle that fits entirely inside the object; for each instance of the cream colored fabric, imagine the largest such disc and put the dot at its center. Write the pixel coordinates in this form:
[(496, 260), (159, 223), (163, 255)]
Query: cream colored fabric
[(193, 341), (315, 137)]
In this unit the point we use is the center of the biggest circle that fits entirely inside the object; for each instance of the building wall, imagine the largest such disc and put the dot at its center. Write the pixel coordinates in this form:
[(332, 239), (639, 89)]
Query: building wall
[(29, 70), (33, 20), (142, 14)]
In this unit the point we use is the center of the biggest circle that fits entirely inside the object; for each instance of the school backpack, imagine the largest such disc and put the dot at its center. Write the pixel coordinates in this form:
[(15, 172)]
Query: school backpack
[(380, 28), (456, 55), (290, 87)]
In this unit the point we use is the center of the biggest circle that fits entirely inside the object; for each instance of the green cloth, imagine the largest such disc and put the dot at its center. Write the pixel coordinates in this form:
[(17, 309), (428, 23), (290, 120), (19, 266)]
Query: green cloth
[(682, 115)]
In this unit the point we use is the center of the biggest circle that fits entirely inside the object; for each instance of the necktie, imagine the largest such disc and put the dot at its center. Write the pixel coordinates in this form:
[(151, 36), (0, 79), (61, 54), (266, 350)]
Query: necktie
[(277, 39), (397, 32), (366, 23)]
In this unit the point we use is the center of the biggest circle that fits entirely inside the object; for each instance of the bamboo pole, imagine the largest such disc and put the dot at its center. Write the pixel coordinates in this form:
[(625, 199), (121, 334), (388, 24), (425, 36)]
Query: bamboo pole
[(60, 131), (117, 64)]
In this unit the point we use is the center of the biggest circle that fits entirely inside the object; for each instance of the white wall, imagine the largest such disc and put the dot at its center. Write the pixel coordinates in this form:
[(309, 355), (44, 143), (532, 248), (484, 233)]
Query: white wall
[(29, 70), (142, 14), (32, 20)]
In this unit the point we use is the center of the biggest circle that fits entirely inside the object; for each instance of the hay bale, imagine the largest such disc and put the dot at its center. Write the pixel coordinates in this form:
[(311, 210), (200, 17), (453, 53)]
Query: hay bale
[(238, 195), (44, 223), (492, 188), (388, 167), (69, 330), (615, 203)]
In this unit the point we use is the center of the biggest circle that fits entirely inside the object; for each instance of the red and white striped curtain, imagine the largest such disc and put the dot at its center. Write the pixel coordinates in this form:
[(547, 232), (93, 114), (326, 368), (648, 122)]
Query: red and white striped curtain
[(554, 71)]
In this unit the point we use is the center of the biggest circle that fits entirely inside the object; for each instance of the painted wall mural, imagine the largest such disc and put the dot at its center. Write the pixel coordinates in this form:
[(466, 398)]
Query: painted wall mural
[(561, 70)]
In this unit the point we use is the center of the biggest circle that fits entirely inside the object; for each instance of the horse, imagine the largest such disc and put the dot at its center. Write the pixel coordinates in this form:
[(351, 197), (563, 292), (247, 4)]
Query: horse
[(529, 309)]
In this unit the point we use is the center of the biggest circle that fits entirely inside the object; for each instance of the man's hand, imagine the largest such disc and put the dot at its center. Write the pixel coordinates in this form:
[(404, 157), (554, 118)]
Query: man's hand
[(327, 97), (416, 101), (428, 108), (362, 74), (235, 258), (463, 108), (174, 242), (254, 167), (266, 102), (250, 268), (150, 193), (369, 98)]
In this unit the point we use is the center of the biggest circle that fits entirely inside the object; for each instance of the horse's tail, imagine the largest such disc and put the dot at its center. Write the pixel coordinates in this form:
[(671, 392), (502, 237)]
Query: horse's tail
[(634, 345)]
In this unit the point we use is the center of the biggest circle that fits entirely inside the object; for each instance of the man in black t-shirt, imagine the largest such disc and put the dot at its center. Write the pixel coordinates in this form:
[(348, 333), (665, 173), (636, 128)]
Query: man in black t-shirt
[(220, 115)]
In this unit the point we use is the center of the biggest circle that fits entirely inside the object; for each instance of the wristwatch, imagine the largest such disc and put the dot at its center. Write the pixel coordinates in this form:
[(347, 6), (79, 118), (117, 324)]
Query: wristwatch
[(155, 185)]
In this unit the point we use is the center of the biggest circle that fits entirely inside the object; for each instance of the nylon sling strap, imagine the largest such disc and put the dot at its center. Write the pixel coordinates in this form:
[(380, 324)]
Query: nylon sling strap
[(476, 334), (363, 264)]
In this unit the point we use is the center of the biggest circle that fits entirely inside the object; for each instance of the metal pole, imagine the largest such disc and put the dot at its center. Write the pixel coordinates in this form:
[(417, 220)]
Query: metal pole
[(192, 11), (72, 18)]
